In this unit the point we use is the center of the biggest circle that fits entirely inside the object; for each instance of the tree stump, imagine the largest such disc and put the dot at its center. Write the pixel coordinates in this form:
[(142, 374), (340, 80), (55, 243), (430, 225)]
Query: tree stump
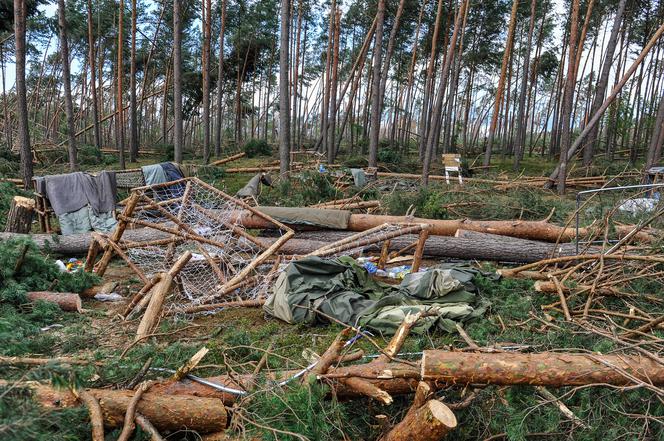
[(19, 218)]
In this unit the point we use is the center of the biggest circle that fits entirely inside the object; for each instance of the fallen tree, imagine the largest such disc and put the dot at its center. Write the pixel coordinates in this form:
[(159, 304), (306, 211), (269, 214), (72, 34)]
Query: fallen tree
[(445, 368), (166, 413), (490, 247), (535, 230)]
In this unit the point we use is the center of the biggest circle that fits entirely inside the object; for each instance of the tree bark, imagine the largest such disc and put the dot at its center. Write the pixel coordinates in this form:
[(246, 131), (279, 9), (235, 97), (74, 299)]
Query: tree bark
[(657, 138), (153, 311), (521, 118), (376, 111), (434, 125), (603, 82), (165, 412), (119, 120), (133, 111), (538, 369), (284, 91), (23, 137), (220, 80), (19, 217), (178, 137), (93, 78), (66, 81), (67, 301), (205, 67), (501, 84), (612, 96), (431, 422)]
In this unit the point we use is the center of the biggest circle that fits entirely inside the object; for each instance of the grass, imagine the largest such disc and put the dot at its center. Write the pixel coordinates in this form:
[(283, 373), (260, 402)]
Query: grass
[(238, 338)]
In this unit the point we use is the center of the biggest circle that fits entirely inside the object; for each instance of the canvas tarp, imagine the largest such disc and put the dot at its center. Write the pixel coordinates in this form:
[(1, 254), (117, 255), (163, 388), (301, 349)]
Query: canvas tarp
[(334, 219), (311, 289)]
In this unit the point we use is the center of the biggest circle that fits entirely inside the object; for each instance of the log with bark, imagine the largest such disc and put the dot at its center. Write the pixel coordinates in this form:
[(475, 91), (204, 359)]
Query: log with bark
[(430, 422), (19, 217), (470, 245), (165, 412), (445, 368), (67, 301), (492, 247)]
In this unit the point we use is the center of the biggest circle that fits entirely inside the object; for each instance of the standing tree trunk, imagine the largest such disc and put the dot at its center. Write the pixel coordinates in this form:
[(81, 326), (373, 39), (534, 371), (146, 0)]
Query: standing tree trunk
[(501, 84), (205, 66), (390, 51), (66, 80), (568, 98), (284, 91), (521, 118), (655, 146), (119, 125), (93, 79), (133, 117), (220, 80), (374, 133), (21, 94), (603, 82), (434, 126), (178, 138), (334, 70)]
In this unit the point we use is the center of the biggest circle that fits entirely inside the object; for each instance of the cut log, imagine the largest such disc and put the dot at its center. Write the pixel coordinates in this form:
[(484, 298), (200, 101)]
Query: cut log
[(549, 287), (541, 369), (228, 159), (166, 413), (19, 218), (430, 422), (481, 246), (67, 301), (535, 230)]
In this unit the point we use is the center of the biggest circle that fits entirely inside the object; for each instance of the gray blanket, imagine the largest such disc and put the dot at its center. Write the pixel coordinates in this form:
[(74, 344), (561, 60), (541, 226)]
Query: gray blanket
[(334, 219), (71, 192)]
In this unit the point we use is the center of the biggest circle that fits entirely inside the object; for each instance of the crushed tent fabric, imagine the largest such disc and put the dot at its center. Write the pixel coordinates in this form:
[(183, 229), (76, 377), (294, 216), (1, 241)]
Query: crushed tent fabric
[(359, 177), (84, 220), (71, 192), (334, 219), (172, 171), (154, 174), (312, 289)]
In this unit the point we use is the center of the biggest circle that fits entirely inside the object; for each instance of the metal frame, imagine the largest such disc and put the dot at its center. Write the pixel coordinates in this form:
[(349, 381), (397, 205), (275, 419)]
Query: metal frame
[(602, 190)]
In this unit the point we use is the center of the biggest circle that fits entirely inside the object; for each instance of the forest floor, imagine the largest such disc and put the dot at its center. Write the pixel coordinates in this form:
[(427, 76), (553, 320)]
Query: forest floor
[(238, 338)]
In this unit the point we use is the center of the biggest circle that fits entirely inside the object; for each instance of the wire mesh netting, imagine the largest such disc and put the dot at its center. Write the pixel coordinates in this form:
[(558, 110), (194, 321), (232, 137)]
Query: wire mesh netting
[(190, 215)]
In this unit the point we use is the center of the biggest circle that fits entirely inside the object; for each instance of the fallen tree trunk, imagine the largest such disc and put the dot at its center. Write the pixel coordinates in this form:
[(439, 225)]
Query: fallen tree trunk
[(501, 248), (536, 230), (67, 301), (166, 413), (540, 369), (471, 245), (444, 368)]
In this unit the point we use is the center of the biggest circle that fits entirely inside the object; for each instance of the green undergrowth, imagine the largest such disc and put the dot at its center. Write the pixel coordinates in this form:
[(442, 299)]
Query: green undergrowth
[(480, 202)]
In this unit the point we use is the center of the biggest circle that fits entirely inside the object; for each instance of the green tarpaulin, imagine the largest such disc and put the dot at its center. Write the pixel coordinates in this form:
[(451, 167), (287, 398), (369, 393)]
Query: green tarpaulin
[(313, 288)]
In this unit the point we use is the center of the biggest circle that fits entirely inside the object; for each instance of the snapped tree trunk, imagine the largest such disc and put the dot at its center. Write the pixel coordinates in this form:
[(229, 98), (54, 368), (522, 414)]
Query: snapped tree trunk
[(220, 81), (19, 218), (133, 111)]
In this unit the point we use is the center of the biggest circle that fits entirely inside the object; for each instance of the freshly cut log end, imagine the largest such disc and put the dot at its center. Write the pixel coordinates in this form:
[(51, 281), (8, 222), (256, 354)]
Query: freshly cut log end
[(19, 218), (430, 422), (67, 301)]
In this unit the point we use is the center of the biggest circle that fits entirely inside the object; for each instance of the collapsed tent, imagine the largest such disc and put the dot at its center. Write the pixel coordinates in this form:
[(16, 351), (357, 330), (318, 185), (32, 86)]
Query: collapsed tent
[(312, 289), (82, 201)]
